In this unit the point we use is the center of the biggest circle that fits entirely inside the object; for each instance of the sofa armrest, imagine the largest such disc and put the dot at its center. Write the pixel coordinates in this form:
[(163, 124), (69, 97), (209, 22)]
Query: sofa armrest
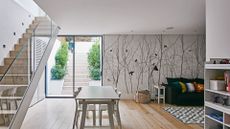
[(171, 94)]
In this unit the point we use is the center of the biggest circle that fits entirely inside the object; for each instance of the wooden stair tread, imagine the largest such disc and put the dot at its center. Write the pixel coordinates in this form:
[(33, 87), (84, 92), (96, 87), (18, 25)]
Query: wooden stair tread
[(13, 85), (10, 97), (8, 111)]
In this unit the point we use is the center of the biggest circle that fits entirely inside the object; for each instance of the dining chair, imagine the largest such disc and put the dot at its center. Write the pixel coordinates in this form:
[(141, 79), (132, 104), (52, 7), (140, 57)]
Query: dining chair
[(104, 107), (7, 93), (6, 102), (90, 107), (20, 91)]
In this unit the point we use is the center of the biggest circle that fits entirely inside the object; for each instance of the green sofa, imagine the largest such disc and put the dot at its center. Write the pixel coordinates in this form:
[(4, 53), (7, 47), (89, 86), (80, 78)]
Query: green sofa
[(176, 97)]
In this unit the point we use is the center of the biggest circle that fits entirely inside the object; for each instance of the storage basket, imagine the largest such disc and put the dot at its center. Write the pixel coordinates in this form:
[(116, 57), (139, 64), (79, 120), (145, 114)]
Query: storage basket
[(142, 96)]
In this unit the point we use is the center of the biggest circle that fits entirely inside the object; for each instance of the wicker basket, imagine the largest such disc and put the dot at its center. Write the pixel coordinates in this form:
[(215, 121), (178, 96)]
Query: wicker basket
[(142, 96)]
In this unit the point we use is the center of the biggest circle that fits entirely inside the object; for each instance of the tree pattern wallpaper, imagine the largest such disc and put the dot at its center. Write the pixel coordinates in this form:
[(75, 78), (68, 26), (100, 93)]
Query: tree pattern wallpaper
[(138, 62)]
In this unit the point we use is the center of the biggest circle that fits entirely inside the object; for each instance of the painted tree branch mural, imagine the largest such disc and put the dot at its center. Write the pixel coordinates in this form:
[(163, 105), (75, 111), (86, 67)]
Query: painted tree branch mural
[(137, 62)]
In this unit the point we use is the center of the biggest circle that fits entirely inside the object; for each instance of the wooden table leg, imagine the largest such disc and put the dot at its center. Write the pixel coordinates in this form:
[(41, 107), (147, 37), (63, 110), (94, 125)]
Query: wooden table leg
[(84, 108), (118, 117), (110, 112)]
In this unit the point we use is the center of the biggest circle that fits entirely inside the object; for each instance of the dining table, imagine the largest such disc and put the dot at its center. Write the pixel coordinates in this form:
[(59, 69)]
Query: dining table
[(97, 95)]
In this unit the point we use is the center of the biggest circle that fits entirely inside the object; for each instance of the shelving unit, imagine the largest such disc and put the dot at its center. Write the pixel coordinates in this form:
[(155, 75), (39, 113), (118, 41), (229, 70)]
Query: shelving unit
[(212, 109)]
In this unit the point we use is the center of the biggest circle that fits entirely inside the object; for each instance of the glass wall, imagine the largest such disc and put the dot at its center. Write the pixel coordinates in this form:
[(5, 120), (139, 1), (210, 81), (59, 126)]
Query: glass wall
[(75, 61)]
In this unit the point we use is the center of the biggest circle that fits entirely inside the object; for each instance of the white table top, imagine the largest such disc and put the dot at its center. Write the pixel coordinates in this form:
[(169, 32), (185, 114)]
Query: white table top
[(97, 93)]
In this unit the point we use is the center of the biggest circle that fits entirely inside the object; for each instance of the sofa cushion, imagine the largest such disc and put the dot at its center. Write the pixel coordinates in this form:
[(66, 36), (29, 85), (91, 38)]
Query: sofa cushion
[(190, 87), (171, 80), (186, 80), (199, 87), (193, 98), (183, 87)]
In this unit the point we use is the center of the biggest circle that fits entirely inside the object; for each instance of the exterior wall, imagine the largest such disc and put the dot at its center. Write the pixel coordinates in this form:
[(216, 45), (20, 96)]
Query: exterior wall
[(138, 62)]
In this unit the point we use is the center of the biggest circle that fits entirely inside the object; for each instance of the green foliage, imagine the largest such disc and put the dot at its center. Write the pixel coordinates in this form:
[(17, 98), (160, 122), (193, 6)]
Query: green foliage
[(61, 58), (94, 61), (57, 72)]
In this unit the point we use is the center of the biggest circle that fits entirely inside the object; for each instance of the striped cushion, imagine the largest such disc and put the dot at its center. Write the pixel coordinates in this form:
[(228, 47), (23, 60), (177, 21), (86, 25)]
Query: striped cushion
[(190, 87)]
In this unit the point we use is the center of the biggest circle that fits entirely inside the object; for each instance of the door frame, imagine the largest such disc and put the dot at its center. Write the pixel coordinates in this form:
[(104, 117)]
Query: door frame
[(101, 65)]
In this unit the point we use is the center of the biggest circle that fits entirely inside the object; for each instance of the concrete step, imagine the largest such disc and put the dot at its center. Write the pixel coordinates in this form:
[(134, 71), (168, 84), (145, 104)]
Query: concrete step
[(76, 84), (77, 79), (78, 75)]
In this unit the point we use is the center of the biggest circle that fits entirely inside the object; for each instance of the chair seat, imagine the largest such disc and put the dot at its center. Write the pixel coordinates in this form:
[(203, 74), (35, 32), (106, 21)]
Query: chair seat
[(104, 107), (90, 107)]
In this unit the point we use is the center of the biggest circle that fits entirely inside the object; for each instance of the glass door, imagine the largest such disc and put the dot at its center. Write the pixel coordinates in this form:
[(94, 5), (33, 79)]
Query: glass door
[(75, 61), (87, 61), (59, 69)]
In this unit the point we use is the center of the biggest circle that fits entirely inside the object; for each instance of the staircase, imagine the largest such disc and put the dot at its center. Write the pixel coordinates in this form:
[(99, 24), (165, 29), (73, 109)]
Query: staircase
[(20, 71)]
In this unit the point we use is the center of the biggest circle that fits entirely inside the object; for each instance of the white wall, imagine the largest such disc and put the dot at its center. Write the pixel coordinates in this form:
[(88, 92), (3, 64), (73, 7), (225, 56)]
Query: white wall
[(217, 29), (12, 15), (51, 60), (31, 7)]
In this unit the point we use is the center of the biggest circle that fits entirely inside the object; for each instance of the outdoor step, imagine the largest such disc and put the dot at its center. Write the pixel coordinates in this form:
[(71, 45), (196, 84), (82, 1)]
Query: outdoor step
[(77, 79), (78, 71), (76, 84), (78, 74), (19, 61), (81, 75), (14, 69)]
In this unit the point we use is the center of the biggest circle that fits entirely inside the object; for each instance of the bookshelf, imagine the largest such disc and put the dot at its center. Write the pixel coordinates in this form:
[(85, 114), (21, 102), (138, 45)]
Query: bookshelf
[(217, 115)]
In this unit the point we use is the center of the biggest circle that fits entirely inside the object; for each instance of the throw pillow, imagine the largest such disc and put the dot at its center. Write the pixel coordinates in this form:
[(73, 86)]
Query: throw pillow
[(199, 87), (190, 87), (183, 87), (176, 85)]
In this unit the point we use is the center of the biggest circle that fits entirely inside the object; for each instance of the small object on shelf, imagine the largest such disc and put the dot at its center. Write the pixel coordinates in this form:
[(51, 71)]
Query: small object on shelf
[(216, 117), (227, 80), (224, 61), (217, 85)]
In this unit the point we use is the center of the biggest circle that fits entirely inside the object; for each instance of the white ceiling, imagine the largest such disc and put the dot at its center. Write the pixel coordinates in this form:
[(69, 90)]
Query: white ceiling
[(94, 17)]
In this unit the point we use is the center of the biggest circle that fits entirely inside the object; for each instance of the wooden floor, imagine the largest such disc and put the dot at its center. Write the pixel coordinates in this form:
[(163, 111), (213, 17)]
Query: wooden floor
[(59, 113)]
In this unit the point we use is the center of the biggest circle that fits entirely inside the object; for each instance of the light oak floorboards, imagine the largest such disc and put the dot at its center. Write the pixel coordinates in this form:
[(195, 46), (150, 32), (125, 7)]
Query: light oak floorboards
[(59, 114)]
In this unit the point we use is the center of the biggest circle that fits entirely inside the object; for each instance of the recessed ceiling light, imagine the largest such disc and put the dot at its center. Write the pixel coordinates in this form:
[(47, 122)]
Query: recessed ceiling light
[(169, 28)]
